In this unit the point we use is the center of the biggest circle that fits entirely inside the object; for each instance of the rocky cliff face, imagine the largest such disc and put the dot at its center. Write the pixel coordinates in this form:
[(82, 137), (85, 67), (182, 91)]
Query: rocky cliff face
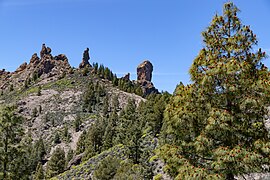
[(85, 60), (144, 77), (43, 67), (144, 71), (51, 103)]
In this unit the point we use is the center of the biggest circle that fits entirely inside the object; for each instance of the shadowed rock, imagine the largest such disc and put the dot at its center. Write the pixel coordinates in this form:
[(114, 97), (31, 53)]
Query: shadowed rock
[(21, 67), (34, 59), (45, 51), (126, 77), (85, 60)]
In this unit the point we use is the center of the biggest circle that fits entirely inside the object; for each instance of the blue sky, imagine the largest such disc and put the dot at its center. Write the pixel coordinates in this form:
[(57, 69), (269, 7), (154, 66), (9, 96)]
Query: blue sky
[(120, 33)]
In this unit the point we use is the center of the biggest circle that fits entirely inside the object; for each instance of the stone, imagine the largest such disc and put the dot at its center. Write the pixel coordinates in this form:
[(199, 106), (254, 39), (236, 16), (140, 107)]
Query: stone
[(85, 60), (2, 72), (47, 66), (76, 160), (34, 59), (126, 77), (144, 77), (21, 67), (45, 51), (61, 57), (144, 71), (148, 88)]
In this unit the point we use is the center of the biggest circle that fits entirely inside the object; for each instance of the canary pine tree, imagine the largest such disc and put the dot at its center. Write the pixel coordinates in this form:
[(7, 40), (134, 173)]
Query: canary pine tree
[(214, 128)]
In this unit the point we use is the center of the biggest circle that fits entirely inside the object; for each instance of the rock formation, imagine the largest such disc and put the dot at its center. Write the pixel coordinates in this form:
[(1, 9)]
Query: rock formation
[(85, 60), (34, 59), (126, 77), (3, 72), (144, 77), (45, 66), (21, 67), (144, 71), (45, 51), (61, 57)]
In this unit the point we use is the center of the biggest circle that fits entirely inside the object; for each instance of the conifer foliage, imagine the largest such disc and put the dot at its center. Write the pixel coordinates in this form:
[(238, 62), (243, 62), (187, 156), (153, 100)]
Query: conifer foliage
[(214, 128), (10, 136)]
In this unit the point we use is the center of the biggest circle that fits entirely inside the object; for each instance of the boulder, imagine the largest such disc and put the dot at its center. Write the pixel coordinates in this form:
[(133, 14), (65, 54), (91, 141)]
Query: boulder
[(76, 160), (144, 71), (85, 60)]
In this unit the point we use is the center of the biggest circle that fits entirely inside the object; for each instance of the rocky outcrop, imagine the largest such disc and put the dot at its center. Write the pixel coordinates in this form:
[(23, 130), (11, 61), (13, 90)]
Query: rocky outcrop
[(144, 77), (48, 63), (45, 66), (3, 72), (126, 77), (45, 51), (21, 67), (85, 60), (147, 87), (144, 71), (34, 59), (76, 160), (61, 57)]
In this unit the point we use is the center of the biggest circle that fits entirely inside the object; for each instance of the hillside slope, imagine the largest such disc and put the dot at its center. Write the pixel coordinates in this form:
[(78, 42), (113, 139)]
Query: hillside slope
[(51, 97)]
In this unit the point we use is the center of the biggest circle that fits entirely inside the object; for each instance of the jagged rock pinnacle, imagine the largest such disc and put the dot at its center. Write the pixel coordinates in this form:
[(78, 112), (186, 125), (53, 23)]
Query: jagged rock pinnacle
[(85, 60), (45, 51), (144, 71)]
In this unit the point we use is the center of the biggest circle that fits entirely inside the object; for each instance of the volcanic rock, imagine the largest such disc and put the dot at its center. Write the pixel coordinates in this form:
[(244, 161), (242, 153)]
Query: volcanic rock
[(34, 59), (21, 67), (144, 71), (144, 77), (3, 71), (45, 51), (61, 57), (126, 77), (85, 60)]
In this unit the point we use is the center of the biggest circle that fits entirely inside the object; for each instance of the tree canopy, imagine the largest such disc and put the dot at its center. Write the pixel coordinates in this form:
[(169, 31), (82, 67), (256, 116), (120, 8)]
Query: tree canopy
[(214, 127)]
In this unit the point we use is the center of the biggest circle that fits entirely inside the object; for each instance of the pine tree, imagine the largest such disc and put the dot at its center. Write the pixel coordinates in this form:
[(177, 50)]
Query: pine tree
[(110, 131), (39, 151), (105, 106), (115, 103), (214, 128), (57, 139), (81, 144), (39, 91), (129, 130), (94, 138), (77, 123), (56, 164), (10, 136), (39, 175), (70, 155), (106, 169)]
